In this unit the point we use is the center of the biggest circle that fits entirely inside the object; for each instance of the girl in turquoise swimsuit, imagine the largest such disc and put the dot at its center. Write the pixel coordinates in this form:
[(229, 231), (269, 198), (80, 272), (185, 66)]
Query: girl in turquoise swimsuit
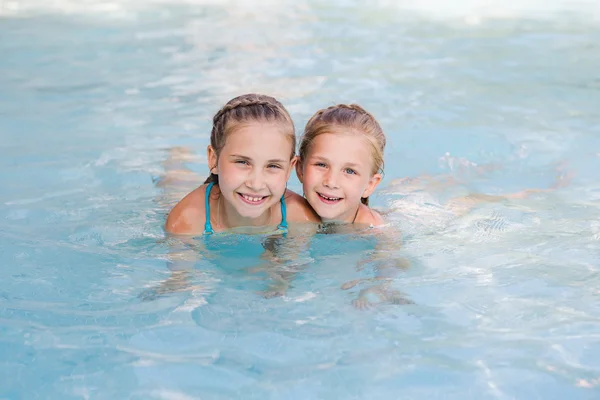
[(250, 156)]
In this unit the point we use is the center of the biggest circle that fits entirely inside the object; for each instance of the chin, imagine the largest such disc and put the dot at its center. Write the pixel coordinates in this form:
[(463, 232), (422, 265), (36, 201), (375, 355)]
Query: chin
[(326, 216), (324, 211), (252, 213)]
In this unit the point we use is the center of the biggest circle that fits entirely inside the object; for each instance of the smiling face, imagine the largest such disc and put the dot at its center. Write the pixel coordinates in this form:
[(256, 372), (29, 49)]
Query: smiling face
[(253, 167), (336, 173)]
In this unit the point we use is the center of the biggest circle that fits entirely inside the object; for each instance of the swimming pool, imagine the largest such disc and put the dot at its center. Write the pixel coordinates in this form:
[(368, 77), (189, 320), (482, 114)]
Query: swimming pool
[(506, 297)]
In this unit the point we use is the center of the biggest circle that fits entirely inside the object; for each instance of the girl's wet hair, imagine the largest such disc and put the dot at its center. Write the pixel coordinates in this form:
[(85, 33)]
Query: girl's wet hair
[(246, 108), (352, 118)]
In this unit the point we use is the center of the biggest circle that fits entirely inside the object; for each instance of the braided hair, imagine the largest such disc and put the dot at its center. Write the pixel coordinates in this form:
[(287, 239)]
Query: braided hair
[(351, 116), (242, 109)]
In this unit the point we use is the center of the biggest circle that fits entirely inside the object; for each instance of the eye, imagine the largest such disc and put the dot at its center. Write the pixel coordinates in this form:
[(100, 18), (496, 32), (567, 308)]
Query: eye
[(242, 162), (274, 166), (320, 164), (350, 171)]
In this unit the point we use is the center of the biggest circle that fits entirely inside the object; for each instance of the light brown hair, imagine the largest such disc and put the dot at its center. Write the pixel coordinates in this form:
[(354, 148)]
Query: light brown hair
[(243, 109), (352, 117)]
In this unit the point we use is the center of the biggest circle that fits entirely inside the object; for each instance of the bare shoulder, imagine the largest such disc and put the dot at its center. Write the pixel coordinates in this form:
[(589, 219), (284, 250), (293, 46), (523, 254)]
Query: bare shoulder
[(378, 219), (187, 217), (298, 209), (369, 216)]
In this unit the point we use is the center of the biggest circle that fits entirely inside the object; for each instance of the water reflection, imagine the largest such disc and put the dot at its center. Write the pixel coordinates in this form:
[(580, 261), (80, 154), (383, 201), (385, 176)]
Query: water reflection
[(505, 293)]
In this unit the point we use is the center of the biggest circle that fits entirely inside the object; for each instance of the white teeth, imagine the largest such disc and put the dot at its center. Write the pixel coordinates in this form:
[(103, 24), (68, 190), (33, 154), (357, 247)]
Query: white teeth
[(253, 199), (329, 198)]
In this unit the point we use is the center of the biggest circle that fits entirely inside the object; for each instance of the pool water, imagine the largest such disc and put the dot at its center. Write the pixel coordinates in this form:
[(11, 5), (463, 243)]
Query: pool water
[(500, 300)]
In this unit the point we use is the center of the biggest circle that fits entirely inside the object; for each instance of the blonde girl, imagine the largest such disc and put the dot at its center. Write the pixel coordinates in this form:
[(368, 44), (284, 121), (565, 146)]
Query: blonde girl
[(341, 164)]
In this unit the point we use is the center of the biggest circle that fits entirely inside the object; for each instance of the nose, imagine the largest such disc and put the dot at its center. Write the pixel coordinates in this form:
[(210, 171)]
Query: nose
[(256, 180), (330, 180)]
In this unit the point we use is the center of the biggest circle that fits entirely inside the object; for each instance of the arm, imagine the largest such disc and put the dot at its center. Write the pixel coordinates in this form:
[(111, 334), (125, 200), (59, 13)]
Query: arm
[(177, 180), (284, 257), (188, 216), (462, 205), (387, 266), (282, 260), (184, 253), (298, 209), (179, 185)]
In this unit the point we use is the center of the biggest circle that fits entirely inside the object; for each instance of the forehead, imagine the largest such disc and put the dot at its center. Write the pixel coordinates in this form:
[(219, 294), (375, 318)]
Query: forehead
[(341, 147), (259, 140)]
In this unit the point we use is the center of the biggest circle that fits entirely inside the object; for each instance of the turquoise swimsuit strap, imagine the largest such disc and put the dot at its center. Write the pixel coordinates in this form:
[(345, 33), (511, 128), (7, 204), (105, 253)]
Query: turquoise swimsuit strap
[(283, 225), (208, 230)]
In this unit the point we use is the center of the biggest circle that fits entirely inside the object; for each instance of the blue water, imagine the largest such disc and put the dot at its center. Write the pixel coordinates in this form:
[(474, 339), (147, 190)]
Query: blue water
[(505, 296)]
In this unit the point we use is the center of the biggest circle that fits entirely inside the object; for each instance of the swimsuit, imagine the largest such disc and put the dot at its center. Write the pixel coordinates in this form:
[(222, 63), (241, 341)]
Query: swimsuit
[(208, 230)]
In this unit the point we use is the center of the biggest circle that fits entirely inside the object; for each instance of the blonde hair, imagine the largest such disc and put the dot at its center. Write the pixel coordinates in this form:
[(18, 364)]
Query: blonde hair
[(243, 109), (353, 117)]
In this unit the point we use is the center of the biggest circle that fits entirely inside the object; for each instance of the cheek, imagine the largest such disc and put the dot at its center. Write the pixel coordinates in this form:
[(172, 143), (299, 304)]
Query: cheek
[(224, 168), (361, 186), (354, 187), (228, 175), (278, 179), (310, 176)]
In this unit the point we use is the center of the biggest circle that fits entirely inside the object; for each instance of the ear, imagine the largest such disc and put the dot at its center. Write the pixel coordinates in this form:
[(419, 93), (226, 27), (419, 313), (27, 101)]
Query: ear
[(293, 163), (299, 171), (212, 158), (372, 185)]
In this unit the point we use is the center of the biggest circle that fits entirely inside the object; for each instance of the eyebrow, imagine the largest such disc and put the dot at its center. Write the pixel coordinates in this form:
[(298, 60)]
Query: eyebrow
[(320, 158), (276, 160)]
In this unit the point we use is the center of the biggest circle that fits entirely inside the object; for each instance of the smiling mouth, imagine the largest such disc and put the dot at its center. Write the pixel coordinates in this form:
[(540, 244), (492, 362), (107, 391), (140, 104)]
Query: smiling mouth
[(328, 199), (253, 200)]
